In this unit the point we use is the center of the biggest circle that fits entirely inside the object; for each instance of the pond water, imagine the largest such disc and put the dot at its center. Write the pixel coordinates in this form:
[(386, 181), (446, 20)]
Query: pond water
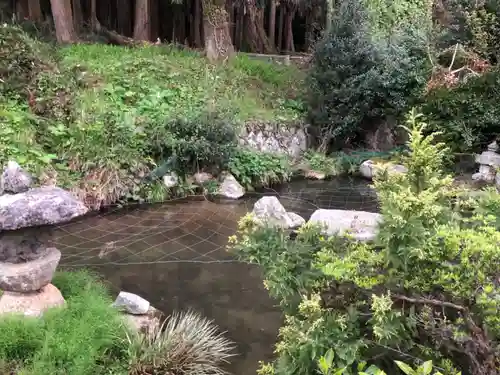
[(174, 255)]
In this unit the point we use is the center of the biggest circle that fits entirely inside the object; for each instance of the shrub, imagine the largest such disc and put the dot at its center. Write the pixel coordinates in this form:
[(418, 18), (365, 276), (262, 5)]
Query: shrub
[(425, 290), (187, 344), (259, 169), (359, 81), (467, 115)]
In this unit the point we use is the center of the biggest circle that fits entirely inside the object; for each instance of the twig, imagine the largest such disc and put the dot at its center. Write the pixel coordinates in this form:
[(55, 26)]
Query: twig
[(453, 58)]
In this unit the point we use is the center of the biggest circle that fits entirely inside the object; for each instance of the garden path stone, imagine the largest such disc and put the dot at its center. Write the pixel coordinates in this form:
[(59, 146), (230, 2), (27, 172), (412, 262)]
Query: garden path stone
[(29, 276), (131, 303)]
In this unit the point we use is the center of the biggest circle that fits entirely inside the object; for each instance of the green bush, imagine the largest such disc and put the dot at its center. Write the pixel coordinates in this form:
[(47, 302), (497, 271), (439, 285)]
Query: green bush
[(259, 169), (360, 79), (426, 289), (467, 115)]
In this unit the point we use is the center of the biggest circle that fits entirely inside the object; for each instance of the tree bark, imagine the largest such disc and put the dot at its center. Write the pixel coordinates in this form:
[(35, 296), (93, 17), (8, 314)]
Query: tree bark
[(142, 26), (257, 39), (280, 27), (124, 19), (63, 19), (272, 23), (77, 15), (197, 24), (289, 44), (218, 44), (35, 10)]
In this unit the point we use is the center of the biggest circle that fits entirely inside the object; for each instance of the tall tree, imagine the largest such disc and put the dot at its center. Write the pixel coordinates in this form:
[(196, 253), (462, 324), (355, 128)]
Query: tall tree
[(63, 20), (142, 23), (35, 10), (218, 43)]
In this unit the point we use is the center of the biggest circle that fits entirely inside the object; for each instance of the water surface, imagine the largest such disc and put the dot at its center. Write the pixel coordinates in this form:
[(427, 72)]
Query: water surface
[(174, 255)]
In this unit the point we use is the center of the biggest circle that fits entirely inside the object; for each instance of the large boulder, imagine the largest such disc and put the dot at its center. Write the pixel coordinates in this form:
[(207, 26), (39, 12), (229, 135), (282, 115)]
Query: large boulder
[(14, 179), (39, 206), (269, 211), (23, 245), (231, 188), (29, 276), (32, 304), (360, 224)]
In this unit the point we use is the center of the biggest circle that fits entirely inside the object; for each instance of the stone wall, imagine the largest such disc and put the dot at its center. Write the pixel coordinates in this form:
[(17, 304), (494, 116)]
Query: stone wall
[(279, 138)]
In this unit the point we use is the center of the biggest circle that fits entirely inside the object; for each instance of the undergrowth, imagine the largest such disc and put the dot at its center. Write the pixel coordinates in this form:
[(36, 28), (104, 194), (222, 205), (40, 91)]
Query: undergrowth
[(98, 118)]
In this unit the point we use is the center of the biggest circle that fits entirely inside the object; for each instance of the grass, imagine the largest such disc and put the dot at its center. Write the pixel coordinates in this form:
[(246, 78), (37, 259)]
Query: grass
[(89, 337), (97, 118)]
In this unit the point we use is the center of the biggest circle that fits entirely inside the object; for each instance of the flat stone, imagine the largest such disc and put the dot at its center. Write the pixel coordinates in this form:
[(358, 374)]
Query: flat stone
[(147, 323), (131, 303), (360, 224), (29, 276), (24, 244), (32, 304), (14, 179), (231, 188), (39, 206)]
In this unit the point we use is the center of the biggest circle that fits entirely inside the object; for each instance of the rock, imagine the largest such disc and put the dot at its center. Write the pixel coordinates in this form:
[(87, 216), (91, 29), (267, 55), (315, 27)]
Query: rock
[(297, 220), (269, 211), (201, 178), (170, 180), (32, 304), (14, 179), (369, 169), (361, 225), (497, 180), (24, 244), (39, 206), (147, 323), (231, 188), (29, 276), (131, 303), (314, 175), (489, 158), (486, 173), (493, 146)]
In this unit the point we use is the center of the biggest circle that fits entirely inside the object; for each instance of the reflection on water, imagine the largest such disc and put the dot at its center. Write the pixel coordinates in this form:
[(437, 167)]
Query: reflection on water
[(174, 255)]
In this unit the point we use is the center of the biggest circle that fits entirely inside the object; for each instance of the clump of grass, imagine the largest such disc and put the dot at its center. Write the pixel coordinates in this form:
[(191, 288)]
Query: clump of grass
[(186, 344)]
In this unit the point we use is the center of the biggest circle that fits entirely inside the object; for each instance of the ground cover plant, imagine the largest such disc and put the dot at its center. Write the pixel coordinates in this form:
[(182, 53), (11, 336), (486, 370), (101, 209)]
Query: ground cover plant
[(98, 118), (425, 290), (90, 337)]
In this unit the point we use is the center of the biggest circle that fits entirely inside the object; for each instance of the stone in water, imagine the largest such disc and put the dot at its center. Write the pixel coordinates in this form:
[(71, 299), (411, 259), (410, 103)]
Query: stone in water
[(231, 188), (14, 179), (131, 303)]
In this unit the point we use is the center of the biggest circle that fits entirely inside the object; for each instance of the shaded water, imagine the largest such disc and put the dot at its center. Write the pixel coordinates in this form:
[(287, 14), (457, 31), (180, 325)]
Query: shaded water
[(174, 255)]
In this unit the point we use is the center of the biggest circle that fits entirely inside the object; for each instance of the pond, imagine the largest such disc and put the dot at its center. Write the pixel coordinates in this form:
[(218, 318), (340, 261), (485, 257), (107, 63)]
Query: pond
[(174, 255)]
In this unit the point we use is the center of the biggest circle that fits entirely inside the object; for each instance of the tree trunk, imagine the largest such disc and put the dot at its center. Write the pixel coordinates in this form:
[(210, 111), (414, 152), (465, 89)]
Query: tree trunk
[(34, 10), (289, 45), (93, 15), (63, 20), (77, 15), (272, 23), (142, 26), (257, 39), (155, 20), (281, 27), (124, 10), (197, 24), (218, 44)]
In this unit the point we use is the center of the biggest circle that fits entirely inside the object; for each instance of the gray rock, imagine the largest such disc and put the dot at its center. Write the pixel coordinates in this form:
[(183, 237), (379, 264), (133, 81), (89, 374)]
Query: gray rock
[(360, 224), (486, 173), (269, 211), (131, 303), (14, 179), (148, 323), (369, 169), (170, 180), (231, 188), (493, 146), (497, 180), (202, 177), (489, 158), (297, 220), (29, 276), (25, 244), (39, 206)]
